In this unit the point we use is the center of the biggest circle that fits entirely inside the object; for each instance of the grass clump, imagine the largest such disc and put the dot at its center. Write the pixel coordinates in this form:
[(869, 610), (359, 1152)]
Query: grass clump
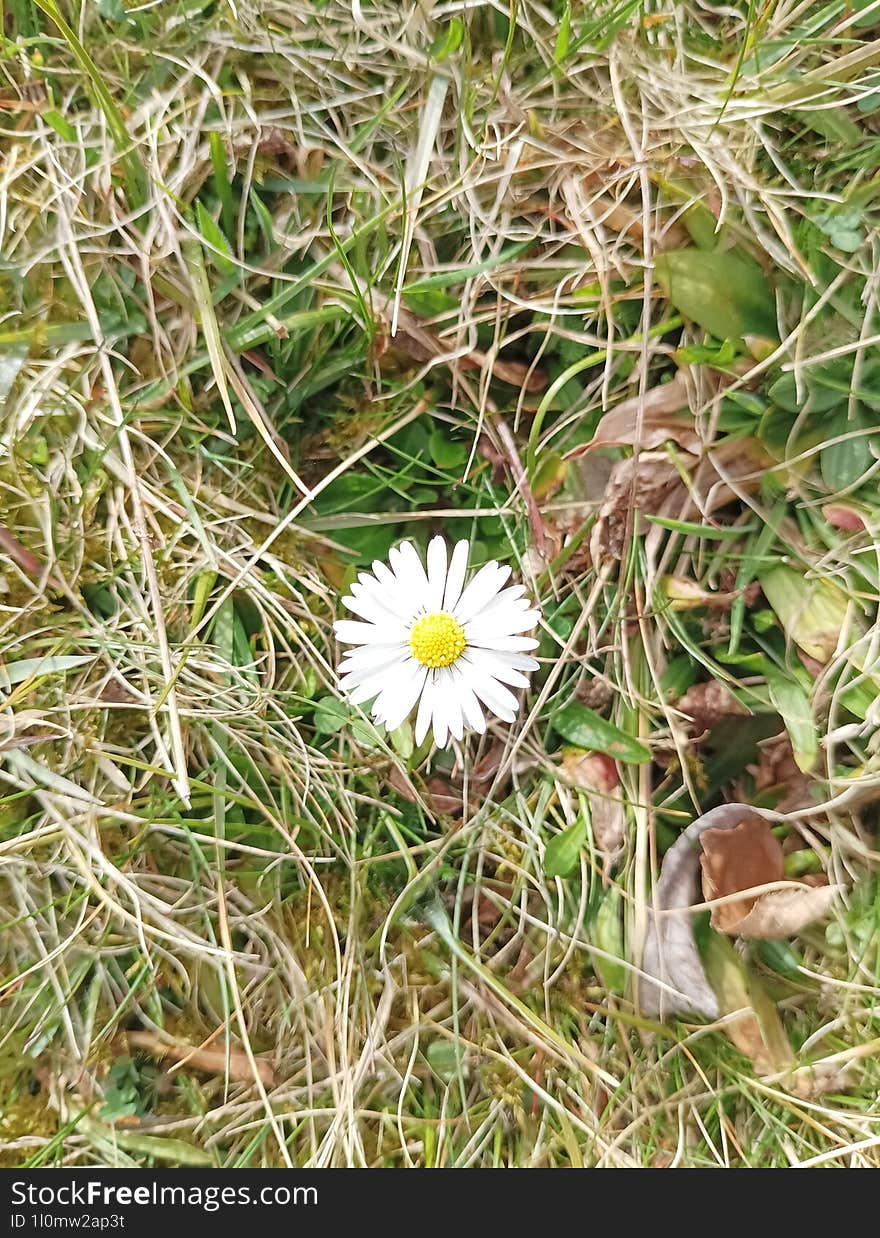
[(285, 284)]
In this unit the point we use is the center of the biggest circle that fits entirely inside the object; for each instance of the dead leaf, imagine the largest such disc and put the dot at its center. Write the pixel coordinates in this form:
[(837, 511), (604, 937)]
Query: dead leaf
[(670, 956), (842, 516), (234, 1062), (738, 859), (785, 913), (653, 483), (707, 703), (777, 771), (639, 484), (596, 774), (649, 420), (746, 856), (26, 559), (756, 1029), (443, 793)]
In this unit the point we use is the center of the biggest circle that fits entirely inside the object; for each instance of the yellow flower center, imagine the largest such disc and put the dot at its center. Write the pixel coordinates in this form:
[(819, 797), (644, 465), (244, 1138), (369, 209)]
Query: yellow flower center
[(437, 640)]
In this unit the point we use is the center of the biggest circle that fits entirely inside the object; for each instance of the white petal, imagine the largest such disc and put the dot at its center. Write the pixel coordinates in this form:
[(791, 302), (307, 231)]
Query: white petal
[(426, 709), (521, 661), (470, 706), (391, 680), (350, 632), (390, 597), (366, 657), (504, 622), (498, 666), (398, 705), (439, 726), (366, 690), (481, 589), (407, 567), (351, 676), (502, 702), (447, 708), (508, 644), (439, 719), (454, 718), (371, 609), (455, 577), (448, 704), (436, 574)]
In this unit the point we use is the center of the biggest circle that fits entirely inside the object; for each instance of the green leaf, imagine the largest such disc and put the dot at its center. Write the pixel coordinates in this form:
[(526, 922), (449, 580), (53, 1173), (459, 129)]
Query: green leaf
[(563, 850), (112, 11), (61, 125), (724, 293), (217, 247), (549, 474), (823, 388), (608, 936), (449, 40), (27, 668), (793, 704), (811, 611), (330, 715), (844, 464), (587, 729), (563, 39), (780, 957), (445, 451)]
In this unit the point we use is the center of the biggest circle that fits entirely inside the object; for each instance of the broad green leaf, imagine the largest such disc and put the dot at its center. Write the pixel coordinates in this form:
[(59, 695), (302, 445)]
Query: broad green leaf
[(549, 474), (587, 729), (844, 464), (822, 389), (793, 704), (445, 451), (563, 850), (726, 294), (812, 612), (330, 715), (782, 958), (402, 741), (608, 936), (449, 40)]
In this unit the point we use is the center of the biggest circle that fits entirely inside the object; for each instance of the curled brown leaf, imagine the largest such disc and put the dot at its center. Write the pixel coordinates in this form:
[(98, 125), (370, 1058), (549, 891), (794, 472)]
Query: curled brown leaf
[(743, 858), (596, 775)]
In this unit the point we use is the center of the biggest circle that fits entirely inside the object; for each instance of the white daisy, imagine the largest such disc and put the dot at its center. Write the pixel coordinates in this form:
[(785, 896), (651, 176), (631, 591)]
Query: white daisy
[(428, 637)]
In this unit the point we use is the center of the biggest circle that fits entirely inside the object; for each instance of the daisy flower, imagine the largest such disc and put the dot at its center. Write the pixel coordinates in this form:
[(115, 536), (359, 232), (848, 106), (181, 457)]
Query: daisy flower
[(428, 638)]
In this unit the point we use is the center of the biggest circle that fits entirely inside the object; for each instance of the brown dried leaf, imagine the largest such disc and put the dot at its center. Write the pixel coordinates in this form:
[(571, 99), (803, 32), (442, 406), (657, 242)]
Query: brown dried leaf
[(640, 484), (596, 775), (842, 516), (235, 1062), (777, 770), (746, 856), (652, 483), (658, 423), (785, 913), (707, 703), (738, 859), (670, 956)]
